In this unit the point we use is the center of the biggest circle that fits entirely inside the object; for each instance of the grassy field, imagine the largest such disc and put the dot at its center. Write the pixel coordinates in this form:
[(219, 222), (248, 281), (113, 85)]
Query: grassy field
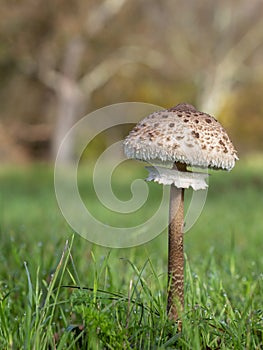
[(121, 300)]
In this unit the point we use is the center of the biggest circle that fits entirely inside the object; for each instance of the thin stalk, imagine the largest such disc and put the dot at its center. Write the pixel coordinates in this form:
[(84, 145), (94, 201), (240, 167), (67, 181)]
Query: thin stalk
[(175, 303)]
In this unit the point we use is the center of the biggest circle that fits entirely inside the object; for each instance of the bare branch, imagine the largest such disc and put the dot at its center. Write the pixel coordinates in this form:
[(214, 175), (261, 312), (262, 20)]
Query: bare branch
[(125, 55), (101, 14), (219, 84)]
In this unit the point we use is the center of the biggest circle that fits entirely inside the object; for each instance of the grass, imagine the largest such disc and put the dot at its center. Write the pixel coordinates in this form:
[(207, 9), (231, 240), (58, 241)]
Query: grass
[(59, 291)]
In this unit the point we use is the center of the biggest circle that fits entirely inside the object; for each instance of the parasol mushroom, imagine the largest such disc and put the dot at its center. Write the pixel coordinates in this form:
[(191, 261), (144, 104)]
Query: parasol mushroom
[(171, 140)]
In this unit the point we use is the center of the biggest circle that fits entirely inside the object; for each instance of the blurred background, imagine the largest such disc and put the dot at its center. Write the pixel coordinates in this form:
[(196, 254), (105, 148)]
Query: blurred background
[(60, 60)]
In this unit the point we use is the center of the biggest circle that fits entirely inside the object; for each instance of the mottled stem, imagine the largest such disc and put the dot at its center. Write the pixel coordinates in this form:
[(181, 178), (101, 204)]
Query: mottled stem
[(175, 302)]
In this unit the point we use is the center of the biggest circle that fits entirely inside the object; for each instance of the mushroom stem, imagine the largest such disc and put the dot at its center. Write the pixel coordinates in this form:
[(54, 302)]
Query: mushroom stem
[(175, 302)]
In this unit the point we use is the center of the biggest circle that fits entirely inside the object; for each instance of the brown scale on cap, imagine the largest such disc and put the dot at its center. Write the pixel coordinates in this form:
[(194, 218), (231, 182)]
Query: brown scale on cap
[(184, 107), (181, 134)]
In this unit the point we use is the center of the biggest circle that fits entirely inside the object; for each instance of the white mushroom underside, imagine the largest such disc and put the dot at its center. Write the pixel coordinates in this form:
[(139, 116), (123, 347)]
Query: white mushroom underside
[(180, 179), (193, 157)]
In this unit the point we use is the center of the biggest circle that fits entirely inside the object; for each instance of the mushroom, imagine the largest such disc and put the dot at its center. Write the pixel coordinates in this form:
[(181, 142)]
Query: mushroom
[(171, 140)]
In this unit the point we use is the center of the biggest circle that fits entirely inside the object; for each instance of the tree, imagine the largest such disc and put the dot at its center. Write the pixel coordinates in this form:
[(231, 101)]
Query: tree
[(59, 60)]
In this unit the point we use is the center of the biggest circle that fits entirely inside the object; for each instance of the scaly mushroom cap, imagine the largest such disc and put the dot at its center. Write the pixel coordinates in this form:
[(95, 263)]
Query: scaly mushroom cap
[(181, 134)]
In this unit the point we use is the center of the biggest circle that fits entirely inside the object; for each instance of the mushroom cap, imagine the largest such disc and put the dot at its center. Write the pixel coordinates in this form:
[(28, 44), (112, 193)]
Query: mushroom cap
[(181, 134)]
